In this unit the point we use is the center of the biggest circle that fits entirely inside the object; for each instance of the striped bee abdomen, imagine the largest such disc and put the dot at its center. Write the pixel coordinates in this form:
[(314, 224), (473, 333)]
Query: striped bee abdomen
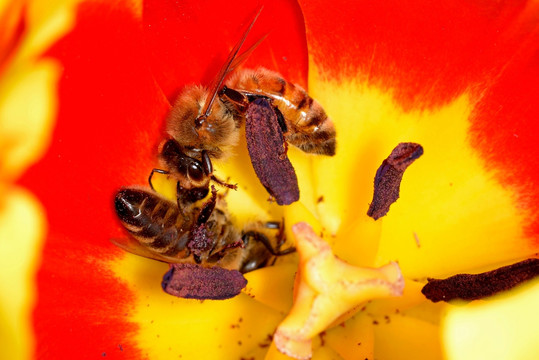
[(153, 221), (308, 126)]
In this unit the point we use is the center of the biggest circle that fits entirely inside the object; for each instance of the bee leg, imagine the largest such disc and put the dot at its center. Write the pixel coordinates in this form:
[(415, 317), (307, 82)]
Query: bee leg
[(201, 240), (206, 163), (278, 225), (178, 197), (159, 171), (238, 100), (208, 169), (225, 184), (265, 241), (207, 208), (227, 189), (179, 190)]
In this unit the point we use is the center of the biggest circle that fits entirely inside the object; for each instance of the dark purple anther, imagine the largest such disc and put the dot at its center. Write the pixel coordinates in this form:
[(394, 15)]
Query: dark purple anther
[(478, 286), (192, 281), (266, 145), (388, 178)]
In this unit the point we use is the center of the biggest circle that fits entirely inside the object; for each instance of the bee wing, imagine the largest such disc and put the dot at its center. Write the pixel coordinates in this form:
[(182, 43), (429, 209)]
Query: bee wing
[(267, 150), (244, 55), (229, 65), (134, 247)]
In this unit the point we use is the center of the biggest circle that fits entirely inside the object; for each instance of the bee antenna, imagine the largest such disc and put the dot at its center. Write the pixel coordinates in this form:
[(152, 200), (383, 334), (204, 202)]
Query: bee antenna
[(206, 110)]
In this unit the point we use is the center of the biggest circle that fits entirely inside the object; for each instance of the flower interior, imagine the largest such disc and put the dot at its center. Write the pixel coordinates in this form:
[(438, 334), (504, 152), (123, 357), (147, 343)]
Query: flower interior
[(457, 78)]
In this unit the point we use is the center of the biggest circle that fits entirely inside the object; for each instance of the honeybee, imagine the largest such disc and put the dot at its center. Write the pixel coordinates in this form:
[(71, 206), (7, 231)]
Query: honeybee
[(215, 130), (204, 123), (201, 236)]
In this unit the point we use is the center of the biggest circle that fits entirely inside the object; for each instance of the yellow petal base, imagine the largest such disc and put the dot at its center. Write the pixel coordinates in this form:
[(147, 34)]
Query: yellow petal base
[(502, 328), (22, 230), (327, 291)]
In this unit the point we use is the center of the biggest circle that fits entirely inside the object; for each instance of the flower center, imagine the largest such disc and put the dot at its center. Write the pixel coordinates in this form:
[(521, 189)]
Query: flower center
[(328, 290)]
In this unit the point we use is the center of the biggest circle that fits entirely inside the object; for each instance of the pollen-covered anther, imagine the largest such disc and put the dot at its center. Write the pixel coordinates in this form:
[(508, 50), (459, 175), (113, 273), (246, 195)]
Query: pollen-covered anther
[(326, 290), (477, 286), (388, 177)]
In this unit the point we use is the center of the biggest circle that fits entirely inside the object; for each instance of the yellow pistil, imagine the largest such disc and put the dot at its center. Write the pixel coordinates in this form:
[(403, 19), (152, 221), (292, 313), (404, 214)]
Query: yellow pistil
[(327, 291)]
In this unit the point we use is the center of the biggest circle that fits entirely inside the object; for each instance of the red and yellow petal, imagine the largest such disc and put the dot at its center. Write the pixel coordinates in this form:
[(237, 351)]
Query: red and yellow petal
[(28, 107), (22, 230), (113, 100), (28, 29), (456, 77), (432, 74), (80, 300), (445, 76)]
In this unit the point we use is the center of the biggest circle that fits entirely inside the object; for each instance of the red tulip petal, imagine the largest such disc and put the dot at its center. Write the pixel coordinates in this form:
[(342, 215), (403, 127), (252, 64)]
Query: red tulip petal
[(428, 52), (189, 41), (505, 126)]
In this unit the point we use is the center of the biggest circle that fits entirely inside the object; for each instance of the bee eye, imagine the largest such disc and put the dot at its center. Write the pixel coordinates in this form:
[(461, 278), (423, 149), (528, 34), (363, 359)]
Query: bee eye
[(195, 171)]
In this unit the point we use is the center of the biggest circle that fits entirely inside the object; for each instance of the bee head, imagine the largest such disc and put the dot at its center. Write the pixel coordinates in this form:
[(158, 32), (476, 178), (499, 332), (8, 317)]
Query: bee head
[(194, 130)]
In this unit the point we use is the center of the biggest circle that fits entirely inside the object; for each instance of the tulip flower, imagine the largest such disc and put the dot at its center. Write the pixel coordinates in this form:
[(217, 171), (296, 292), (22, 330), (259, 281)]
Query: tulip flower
[(83, 100)]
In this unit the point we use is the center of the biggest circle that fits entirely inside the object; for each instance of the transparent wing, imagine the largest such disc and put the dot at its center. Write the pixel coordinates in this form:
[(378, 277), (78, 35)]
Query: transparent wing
[(229, 65), (244, 55), (132, 246)]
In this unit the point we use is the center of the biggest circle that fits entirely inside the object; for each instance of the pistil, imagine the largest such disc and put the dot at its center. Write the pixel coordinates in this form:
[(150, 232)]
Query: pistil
[(328, 290)]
